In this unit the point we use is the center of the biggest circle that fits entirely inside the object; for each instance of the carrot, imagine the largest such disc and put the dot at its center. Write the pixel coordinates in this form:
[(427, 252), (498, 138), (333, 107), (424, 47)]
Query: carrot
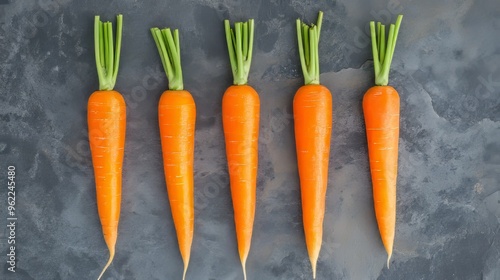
[(106, 118), (177, 117), (312, 114), (240, 118), (381, 111)]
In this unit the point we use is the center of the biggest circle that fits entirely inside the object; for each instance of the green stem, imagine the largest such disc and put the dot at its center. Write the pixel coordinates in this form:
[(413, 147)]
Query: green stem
[(382, 44), (118, 46), (98, 47), (382, 52), (240, 45), (305, 42), (107, 55), (245, 39), (110, 53), (230, 46), (168, 45), (308, 40), (312, 60), (101, 43), (384, 72), (319, 22)]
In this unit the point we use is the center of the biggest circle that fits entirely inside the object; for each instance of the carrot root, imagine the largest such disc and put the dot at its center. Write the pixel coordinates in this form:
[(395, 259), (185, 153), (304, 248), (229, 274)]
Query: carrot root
[(186, 264), (243, 266), (111, 257), (381, 107), (389, 259), (313, 264)]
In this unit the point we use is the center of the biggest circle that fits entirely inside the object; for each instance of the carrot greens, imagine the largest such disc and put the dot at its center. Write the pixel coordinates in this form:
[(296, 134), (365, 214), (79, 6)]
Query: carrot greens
[(170, 52), (308, 39), (107, 56), (382, 52), (240, 44)]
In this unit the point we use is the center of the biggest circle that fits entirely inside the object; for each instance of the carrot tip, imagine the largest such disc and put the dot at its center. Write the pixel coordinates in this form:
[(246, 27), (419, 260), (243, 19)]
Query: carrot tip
[(186, 264), (243, 265), (184, 273), (111, 257), (388, 260), (314, 269)]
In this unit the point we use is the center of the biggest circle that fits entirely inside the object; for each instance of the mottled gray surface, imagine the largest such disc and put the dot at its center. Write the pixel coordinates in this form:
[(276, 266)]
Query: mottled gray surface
[(446, 68)]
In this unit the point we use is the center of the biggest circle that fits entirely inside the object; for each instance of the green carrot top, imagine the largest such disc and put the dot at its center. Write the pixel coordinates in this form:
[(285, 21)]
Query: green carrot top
[(240, 45), (382, 52), (170, 52), (107, 56), (308, 39)]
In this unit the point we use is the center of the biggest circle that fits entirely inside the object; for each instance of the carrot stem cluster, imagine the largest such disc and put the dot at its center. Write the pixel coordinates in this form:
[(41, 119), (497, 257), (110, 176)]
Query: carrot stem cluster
[(308, 39), (107, 56), (170, 52), (382, 51), (240, 45)]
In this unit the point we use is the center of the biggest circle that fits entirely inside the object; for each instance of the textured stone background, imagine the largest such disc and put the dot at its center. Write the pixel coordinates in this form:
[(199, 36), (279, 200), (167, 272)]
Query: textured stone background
[(446, 68)]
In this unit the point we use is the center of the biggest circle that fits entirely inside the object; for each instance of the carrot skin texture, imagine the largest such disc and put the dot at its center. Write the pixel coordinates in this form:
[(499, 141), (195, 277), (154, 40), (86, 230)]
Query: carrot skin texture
[(381, 111), (312, 110), (106, 117), (240, 117), (177, 117)]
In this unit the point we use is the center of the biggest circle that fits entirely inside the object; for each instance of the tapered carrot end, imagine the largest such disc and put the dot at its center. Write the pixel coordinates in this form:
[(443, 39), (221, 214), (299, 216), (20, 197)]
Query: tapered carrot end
[(243, 265), (389, 259), (186, 264), (111, 257), (314, 270), (110, 235), (314, 261)]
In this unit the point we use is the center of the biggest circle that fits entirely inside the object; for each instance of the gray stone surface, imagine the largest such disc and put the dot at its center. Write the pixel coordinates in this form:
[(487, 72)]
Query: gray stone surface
[(446, 68)]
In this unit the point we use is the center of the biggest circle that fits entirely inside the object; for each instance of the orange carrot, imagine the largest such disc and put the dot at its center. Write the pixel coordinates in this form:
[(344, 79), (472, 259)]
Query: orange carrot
[(106, 123), (381, 110), (177, 117), (240, 118), (312, 113)]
